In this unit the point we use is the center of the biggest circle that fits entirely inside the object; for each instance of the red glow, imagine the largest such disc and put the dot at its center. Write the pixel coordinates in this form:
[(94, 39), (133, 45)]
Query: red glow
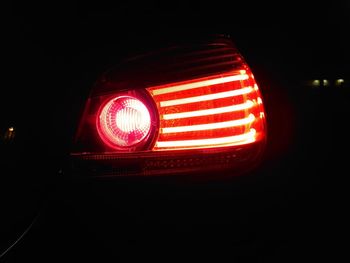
[(199, 84), (220, 110), (123, 122), (210, 126), (207, 112), (213, 142), (215, 96)]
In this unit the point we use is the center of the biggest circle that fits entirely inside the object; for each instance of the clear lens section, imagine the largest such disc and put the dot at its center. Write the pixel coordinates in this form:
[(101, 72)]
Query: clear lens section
[(124, 122)]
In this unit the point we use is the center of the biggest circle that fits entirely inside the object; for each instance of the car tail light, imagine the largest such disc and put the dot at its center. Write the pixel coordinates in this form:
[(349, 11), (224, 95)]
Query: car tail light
[(216, 111), (187, 109)]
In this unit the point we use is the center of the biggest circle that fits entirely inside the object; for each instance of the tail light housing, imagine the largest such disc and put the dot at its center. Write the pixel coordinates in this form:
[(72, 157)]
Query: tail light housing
[(187, 109)]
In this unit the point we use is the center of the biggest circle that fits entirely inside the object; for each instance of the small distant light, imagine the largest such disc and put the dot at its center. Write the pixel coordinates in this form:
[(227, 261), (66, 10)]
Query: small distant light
[(339, 82), (325, 82), (316, 83), (11, 129)]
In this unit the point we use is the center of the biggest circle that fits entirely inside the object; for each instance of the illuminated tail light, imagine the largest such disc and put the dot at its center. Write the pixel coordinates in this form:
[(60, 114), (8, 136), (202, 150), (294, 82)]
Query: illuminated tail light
[(216, 111), (201, 114)]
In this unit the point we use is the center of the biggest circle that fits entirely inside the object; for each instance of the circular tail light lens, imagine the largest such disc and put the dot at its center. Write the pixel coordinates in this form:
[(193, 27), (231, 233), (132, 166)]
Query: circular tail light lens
[(124, 122)]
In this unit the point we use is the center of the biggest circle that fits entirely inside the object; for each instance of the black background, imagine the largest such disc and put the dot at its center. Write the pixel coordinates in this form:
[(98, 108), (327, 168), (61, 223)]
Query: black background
[(291, 208)]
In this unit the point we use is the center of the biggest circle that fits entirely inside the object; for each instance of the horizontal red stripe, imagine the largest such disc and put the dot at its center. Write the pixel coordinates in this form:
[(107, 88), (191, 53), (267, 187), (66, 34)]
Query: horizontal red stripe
[(207, 134), (202, 91), (202, 105), (204, 119)]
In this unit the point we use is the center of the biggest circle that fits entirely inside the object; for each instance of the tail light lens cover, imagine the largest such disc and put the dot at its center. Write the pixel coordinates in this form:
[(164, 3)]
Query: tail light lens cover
[(217, 111), (186, 109)]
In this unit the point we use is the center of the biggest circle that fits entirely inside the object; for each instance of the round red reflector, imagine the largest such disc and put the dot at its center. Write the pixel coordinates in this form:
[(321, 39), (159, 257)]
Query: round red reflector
[(124, 122)]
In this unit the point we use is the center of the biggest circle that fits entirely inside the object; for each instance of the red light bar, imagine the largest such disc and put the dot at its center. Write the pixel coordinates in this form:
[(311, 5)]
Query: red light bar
[(214, 96), (210, 126), (216, 111), (198, 113), (200, 84), (209, 143)]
